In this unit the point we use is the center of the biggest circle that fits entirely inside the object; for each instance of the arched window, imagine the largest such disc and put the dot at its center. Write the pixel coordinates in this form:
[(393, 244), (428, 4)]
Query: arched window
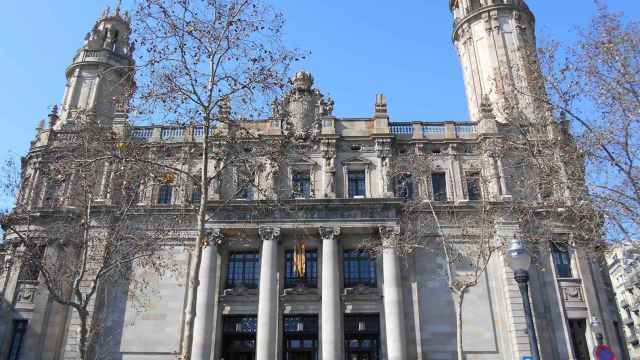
[(164, 194)]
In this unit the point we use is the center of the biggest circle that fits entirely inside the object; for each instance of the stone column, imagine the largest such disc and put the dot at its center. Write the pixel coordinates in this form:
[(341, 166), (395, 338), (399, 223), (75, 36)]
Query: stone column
[(332, 337), (392, 293), (268, 296), (203, 328)]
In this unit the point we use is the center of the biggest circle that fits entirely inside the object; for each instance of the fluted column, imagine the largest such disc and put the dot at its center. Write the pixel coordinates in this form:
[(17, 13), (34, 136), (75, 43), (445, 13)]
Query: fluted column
[(332, 344), (392, 293), (268, 296), (203, 328)]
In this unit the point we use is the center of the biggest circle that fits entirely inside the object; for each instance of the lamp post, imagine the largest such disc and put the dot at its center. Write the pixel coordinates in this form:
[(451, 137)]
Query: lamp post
[(519, 260)]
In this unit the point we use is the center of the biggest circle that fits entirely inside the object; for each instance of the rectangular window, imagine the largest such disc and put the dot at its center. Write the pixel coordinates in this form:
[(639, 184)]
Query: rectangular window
[(164, 194), (439, 184), (357, 184), (474, 191), (359, 269), (30, 269), (239, 337), (362, 336), (404, 186), (196, 196), (300, 337), (310, 278), (561, 260), (19, 330), (301, 185), (243, 270), (245, 192)]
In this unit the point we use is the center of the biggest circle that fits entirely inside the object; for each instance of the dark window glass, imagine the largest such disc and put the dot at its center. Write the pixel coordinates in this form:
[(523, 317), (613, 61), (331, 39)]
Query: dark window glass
[(164, 194), (300, 337), (439, 183), (243, 270), (239, 337), (30, 269), (19, 330), (474, 191), (196, 196), (359, 269), (404, 186), (310, 278), (561, 260), (245, 192), (301, 185), (357, 184), (362, 337)]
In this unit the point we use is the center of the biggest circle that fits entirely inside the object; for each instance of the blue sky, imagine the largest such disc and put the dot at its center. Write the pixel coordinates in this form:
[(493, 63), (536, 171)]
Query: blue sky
[(402, 48)]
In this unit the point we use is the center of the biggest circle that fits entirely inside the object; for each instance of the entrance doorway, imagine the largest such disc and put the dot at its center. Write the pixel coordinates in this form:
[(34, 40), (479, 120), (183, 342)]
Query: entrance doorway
[(578, 330), (362, 337), (239, 337), (301, 337)]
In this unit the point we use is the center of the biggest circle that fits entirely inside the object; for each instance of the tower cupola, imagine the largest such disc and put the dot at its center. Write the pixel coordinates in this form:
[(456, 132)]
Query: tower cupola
[(495, 41), (100, 79)]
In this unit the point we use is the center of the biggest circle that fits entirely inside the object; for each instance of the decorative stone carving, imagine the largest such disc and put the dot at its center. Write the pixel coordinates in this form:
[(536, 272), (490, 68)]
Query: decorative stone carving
[(389, 235), (329, 233), (26, 291), (269, 233)]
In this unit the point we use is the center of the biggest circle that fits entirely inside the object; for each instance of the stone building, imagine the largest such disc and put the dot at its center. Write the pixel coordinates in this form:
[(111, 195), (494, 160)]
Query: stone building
[(624, 268), (349, 304)]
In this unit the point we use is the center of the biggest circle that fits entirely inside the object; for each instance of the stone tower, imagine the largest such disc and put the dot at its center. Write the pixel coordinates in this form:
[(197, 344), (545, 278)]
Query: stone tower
[(495, 40), (101, 75)]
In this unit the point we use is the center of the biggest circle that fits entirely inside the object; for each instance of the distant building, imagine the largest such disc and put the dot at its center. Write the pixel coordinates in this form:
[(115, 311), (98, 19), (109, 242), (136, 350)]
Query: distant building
[(624, 268), (349, 305)]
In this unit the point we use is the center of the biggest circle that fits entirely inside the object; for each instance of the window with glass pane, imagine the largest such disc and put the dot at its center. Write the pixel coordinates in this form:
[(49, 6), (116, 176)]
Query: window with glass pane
[(196, 196), (359, 269), (239, 337), (300, 337), (473, 186), (19, 330), (404, 186), (357, 184), (310, 278), (30, 269), (439, 184), (243, 270), (362, 336), (164, 194), (301, 184), (561, 260), (245, 192)]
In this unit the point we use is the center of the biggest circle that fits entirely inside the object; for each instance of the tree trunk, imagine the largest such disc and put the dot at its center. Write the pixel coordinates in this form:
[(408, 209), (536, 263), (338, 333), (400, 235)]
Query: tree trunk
[(201, 241), (459, 300), (84, 334)]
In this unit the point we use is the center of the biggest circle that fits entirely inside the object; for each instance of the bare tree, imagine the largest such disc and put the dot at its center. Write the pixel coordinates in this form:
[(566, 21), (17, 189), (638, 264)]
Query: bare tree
[(201, 58), (75, 227)]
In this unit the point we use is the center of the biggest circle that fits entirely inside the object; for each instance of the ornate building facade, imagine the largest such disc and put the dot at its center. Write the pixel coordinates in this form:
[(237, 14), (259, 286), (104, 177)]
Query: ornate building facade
[(255, 301)]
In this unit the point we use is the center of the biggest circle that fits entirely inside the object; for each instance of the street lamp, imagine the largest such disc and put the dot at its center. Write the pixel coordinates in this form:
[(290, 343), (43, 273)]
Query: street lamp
[(519, 260)]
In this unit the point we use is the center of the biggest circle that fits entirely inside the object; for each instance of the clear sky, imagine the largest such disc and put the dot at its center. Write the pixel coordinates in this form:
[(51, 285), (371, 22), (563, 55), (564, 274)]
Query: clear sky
[(401, 48)]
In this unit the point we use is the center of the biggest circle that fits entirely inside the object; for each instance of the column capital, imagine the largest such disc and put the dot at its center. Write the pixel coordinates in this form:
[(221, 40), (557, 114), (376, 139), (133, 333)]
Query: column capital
[(215, 236), (269, 233), (389, 235), (329, 233)]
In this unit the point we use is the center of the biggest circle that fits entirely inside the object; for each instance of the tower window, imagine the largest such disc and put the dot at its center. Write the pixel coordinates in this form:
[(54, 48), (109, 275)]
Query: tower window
[(310, 276), (356, 184), (164, 194), (30, 269), (475, 4), (243, 270), (474, 191), (196, 196), (359, 269), (439, 184), (301, 184), (19, 330), (561, 260)]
